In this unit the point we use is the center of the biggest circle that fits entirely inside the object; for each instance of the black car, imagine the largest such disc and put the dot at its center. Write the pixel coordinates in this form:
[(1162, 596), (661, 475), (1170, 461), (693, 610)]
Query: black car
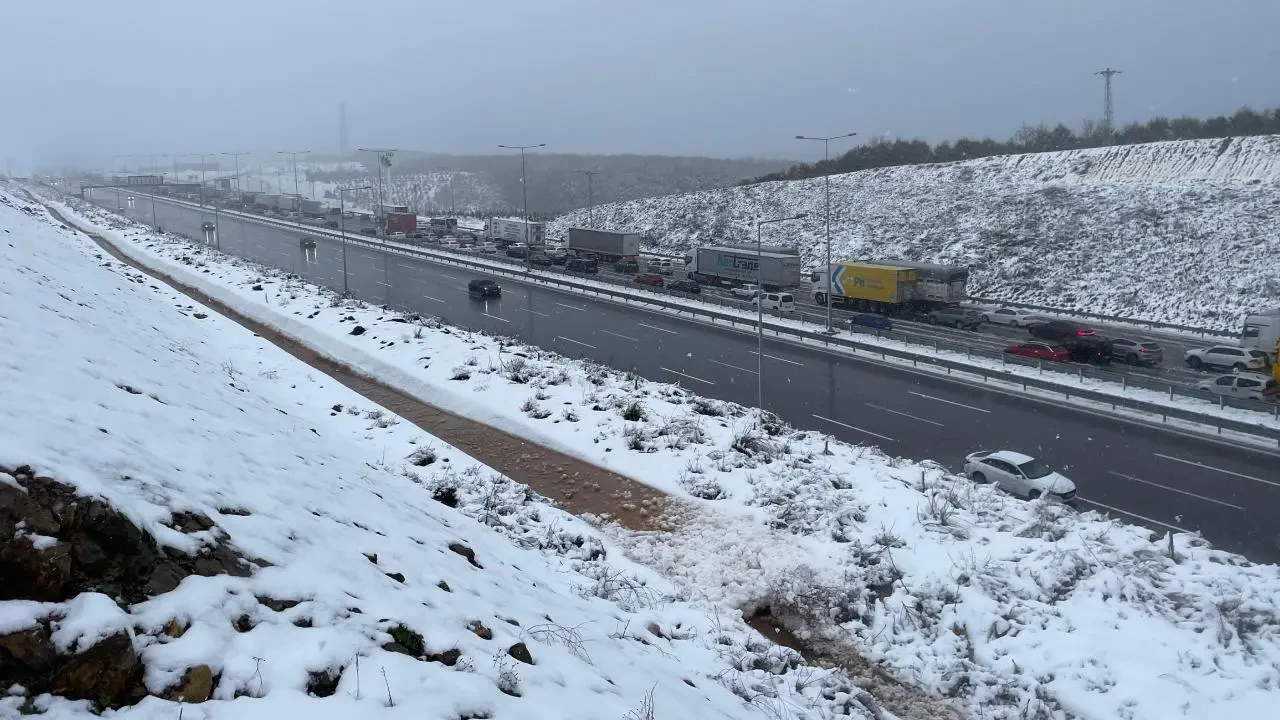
[(1089, 349), (332, 224), (626, 267), (687, 286), (368, 231), (540, 259), (483, 288), (1060, 330), (518, 252), (582, 265)]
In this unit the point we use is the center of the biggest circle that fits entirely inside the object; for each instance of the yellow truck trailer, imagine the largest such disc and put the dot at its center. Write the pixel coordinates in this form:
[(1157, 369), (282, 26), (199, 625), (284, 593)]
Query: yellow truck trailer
[(865, 286)]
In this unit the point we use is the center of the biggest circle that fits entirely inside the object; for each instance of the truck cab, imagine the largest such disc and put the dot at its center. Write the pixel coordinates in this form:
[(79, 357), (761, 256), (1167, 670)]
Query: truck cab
[(1262, 332)]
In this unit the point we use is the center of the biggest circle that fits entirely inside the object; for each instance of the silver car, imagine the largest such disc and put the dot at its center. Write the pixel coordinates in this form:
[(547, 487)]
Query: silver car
[(1018, 474)]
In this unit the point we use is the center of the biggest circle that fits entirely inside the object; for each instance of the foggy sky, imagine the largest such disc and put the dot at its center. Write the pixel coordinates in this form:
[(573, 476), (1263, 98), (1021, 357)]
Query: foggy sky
[(699, 77)]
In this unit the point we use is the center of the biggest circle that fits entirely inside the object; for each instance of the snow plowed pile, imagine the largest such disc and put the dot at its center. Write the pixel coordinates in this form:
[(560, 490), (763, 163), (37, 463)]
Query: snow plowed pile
[(1183, 232), (190, 516), (1010, 610)]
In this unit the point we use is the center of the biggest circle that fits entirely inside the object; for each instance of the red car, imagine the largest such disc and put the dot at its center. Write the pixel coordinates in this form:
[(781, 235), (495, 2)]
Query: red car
[(648, 279), (1040, 351)]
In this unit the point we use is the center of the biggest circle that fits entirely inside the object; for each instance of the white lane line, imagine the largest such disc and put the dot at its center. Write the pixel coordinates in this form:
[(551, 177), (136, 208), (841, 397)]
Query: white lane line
[(451, 277), (535, 312), (677, 372), (855, 429), (1216, 469), (576, 342), (903, 414), (572, 307), (495, 317), (382, 283), (408, 267), (949, 402), (735, 367), (432, 298), (1175, 490), (1133, 515), (775, 357), (620, 335), (660, 329)]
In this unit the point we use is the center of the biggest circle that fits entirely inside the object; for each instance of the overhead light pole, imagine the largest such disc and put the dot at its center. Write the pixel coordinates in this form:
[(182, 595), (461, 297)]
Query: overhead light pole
[(342, 225), (760, 309), (202, 156), (591, 202), (297, 196), (384, 156), (236, 157), (524, 191), (826, 165)]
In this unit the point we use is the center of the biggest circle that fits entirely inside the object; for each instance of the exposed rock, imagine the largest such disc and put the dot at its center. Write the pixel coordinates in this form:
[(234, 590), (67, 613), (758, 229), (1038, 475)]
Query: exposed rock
[(398, 577), (175, 628), (357, 330), (480, 630), (278, 605), (444, 586), (195, 687), (108, 673), (407, 638), (521, 653), (25, 653), (448, 657), (324, 683), (465, 552)]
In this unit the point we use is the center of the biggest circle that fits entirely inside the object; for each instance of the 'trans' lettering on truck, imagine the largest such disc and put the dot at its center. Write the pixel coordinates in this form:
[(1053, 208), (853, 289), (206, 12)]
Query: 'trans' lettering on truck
[(735, 262)]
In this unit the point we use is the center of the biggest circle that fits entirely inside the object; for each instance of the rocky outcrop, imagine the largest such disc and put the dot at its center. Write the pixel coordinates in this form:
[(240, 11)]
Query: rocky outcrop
[(109, 673)]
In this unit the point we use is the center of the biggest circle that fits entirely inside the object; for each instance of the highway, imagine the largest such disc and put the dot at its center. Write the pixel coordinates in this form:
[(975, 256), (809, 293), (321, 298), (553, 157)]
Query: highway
[(1166, 480)]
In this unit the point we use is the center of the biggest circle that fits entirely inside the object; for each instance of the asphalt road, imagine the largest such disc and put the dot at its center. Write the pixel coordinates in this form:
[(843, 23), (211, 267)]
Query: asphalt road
[(1147, 474)]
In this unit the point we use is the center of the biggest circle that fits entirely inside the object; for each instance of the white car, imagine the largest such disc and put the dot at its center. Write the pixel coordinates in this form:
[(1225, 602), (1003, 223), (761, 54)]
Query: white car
[(747, 291), (1227, 356), (1012, 317), (782, 302), (1018, 474), (1245, 385)]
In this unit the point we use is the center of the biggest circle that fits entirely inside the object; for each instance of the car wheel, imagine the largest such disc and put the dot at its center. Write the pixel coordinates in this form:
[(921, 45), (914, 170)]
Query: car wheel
[(1133, 360), (978, 478), (1033, 495), (1195, 363)]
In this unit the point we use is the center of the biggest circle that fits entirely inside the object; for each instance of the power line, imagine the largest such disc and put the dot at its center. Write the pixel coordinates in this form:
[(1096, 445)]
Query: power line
[(1108, 109)]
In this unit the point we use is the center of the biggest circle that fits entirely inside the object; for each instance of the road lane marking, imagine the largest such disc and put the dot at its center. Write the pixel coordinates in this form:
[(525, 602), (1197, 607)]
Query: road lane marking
[(576, 342), (536, 312), (735, 367), (775, 357), (655, 327), (382, 283), (949, 402), (495, 317), (451, 277), (1134, 515), (408, 267), (855, 429), (620, 335), (677, 372), (433, 298), (903, 414), (1176, 490), (1216, 469), (572, 307)]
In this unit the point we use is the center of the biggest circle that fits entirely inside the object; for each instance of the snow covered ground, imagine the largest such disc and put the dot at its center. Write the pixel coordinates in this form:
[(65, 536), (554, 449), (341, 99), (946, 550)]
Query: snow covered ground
[(1008, 609), (428, 193), (1181, 232), (365, 590)]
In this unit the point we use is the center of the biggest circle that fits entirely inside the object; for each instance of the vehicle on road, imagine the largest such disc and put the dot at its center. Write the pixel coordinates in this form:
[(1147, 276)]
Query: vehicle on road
[(515, 230), (1227, 356), (518, 251), (1018, 474), (368, 231), (782, 302), (398, 235), (650, 279), (487, 249), (540, 260), (889, 286), (687, 286), (582, 265), (1262, 332), (1059, 330), (1013, 317), (483, 288), (662, 266), (307, 243), (1245, 386), (1137, 352), (774, 267), (745, 292), (626, 267), (605, 244), (332, 224), (1040, 351), (875, 321), (956, 317)]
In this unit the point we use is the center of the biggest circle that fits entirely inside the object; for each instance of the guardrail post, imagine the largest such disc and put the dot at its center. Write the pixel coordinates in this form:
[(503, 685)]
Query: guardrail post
[(1222, 403), (1040, 367), (1170, 392), (1081, 374), (968, 352), (935, 346), (1124, 382)]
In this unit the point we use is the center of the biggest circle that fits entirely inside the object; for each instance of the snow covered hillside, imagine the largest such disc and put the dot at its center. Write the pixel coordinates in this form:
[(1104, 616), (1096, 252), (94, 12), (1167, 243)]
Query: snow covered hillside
[(1184, 232), (948, 598), (188, 515), (426, 193)]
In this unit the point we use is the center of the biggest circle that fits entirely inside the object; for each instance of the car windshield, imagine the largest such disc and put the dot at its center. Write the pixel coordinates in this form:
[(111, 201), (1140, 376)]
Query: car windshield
[(1034, 469)]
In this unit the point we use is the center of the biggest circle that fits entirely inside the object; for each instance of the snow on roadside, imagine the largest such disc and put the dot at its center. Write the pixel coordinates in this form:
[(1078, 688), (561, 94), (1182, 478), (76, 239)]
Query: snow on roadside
[(1017, 610), (171, 414)]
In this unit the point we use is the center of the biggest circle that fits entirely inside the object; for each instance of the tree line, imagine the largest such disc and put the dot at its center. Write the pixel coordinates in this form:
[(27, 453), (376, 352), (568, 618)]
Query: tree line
[(1034, 138)]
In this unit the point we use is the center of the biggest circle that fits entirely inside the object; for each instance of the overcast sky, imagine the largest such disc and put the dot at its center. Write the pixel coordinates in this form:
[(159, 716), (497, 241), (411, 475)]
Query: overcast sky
[(699, 77)]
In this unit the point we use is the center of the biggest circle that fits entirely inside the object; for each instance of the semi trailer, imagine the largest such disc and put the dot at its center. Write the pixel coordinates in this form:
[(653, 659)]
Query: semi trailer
[(604, 244)]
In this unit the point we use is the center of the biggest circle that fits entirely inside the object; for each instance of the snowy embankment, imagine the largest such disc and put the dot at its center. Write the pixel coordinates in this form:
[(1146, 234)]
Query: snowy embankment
[(1180, 232), (1014, 610), (191, 515)]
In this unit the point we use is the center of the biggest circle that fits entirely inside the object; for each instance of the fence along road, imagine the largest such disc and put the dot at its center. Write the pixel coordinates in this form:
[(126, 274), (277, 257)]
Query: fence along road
[(1167, 481)]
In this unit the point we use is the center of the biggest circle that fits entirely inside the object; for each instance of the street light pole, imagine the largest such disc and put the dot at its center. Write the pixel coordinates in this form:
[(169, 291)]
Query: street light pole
[(342, 225), (202, 156), (826, 163), (297, 196), (760, 310), (591, 202), (236, 156), (524, 191), (380, 152)]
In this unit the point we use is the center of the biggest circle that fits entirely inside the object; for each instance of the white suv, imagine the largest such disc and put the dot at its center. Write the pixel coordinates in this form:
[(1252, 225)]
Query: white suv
[(1227, 356), (1247, 386)]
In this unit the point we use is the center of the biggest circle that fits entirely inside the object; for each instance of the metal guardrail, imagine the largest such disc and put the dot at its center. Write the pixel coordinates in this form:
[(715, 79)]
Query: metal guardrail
[(1152, 324), (667, 301)]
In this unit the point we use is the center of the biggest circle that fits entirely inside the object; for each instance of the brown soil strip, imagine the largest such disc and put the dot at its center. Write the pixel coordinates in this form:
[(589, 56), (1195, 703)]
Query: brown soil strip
[(574, 485)]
